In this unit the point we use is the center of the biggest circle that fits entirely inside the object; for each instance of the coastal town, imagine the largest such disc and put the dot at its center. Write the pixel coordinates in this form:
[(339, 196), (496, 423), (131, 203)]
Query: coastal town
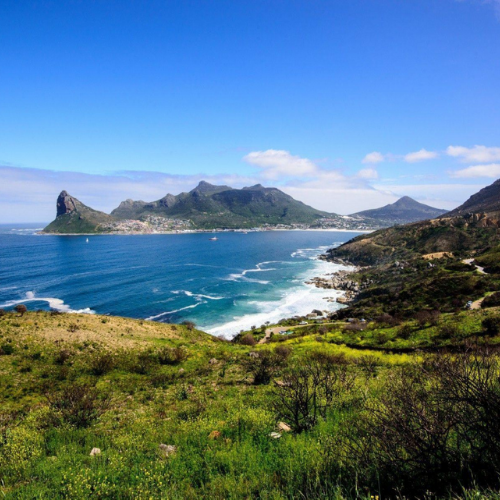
[(152, 224)]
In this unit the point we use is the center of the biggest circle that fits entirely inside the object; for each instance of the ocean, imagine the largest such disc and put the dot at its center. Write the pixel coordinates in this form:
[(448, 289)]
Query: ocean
[(223, 286)]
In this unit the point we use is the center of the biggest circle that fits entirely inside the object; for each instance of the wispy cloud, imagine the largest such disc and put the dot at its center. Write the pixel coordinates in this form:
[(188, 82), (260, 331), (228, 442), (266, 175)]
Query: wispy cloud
[(421, 155), (276, 164), (476, 154), (373, 158), (491, 170)]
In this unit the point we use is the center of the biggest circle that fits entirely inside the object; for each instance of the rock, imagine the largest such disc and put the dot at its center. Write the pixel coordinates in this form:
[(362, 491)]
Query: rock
[(213, 361), (284, 427), (181, 371), (65, 204), (95, 451), (275, 435), (167, 449), (214, 435)]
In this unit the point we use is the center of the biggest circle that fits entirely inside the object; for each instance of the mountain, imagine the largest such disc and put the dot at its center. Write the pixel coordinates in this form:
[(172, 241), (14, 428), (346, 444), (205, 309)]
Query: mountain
[(206, 206), (473, 226), (75, 217), (403, 211), (486, 201), (209, 206)]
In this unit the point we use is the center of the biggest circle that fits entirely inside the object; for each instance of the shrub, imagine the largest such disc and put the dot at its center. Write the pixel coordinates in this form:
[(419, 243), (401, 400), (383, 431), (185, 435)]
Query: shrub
[(492, 300), (171, 355), (102, 363), (405, 331), (6, 349), (145, 360), (62, 356), (78, 404), (309, 389), (248, 339), (20, 309), (2, 312), (72, 328), (434, 428), (190, 325), (491, 325), (264, 364)]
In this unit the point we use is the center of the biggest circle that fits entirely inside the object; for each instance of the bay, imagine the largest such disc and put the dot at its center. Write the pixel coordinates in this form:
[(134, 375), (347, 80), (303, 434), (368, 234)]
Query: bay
[(224, 286)]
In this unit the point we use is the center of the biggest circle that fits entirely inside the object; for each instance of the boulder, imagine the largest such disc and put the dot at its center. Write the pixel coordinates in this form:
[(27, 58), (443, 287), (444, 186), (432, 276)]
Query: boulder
[(167, 449), (95, 451)]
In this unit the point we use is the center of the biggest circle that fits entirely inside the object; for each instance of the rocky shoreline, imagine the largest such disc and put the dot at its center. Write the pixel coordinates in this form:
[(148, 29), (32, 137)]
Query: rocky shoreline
[(340, 280)]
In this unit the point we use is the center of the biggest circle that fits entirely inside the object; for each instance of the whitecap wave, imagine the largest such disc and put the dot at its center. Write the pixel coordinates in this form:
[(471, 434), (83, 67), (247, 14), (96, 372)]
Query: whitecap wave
[(166, 313), (54, 303), (197, 296)]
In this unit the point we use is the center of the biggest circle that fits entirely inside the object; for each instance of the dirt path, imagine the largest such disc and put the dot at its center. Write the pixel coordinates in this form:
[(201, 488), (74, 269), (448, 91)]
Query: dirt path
[(478, 268), (477, 303)]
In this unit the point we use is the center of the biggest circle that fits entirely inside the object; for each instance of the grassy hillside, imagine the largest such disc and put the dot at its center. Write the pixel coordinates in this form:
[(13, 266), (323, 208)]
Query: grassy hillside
[(179, 414)]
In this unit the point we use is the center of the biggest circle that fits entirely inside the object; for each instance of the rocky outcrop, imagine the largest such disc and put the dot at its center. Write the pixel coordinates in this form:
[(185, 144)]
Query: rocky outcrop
[(66, 204), (341, 280)]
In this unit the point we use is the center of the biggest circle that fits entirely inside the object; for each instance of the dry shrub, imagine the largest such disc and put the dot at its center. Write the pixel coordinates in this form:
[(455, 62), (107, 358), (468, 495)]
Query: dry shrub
[(248, 339), (78, 404), (310, 389), (171, 355)]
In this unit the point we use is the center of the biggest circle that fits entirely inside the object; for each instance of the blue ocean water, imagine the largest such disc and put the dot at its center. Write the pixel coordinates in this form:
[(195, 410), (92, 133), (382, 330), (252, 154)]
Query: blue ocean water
[(223, 286)]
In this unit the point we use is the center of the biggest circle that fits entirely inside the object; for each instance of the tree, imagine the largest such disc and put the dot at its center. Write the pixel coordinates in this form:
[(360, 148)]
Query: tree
[(190, 325), (21, 309)]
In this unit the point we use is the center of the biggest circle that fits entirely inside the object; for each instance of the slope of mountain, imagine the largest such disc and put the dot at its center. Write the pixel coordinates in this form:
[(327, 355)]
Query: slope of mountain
[(75, 217), (486, 201), (472, 226), (403, 211), (209, 206)]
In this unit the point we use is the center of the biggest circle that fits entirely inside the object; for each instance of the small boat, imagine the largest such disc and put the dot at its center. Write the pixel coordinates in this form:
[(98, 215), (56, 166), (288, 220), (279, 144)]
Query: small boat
[(87, 240), (213, 239)]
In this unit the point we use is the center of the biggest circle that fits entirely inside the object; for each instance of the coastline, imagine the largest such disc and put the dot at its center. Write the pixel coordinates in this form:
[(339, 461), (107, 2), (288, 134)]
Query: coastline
[(209, 231)]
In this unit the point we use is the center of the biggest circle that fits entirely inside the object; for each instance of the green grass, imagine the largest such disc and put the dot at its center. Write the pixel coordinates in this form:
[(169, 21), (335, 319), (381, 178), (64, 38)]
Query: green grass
[(142, 403)]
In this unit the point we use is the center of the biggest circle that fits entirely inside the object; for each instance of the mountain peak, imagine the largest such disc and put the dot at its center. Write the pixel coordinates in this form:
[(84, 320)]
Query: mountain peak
[(403, 211), (205, 187), (66, 204)]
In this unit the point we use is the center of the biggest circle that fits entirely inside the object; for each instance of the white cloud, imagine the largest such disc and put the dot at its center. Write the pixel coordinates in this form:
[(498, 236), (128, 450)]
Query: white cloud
[(277, 163), (373, 158), (491, 170), (368, 173), (477, 154), (421, 155)]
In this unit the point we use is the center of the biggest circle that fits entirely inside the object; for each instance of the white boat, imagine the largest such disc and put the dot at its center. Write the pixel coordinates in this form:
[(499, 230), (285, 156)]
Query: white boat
[(213, 239), (87, 240)]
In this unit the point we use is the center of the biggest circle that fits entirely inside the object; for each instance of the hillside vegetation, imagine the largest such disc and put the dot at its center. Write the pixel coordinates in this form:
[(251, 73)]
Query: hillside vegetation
[(175, 413)]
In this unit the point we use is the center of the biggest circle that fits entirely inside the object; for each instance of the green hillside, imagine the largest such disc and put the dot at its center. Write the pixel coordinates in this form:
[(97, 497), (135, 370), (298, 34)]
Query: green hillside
[(209, 206)]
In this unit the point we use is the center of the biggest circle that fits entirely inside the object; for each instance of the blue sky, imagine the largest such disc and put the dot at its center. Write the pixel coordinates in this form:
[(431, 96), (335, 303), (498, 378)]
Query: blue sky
[(126, 99)]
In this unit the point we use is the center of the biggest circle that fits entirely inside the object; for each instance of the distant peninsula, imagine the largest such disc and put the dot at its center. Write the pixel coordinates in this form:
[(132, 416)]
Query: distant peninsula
[(210, 207)]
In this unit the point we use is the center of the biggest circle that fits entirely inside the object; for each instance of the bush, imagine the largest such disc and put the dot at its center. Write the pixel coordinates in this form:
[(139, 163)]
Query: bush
[(6, 349), (78, 404), (20, 309), (248, 339), (492, 300), (189, 325), (2, 312), (62, 356), (171, 355), (491, 325), (435, 428), (72, 328), (144, 362), (309, 389), (263, 365), (102, 363)]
